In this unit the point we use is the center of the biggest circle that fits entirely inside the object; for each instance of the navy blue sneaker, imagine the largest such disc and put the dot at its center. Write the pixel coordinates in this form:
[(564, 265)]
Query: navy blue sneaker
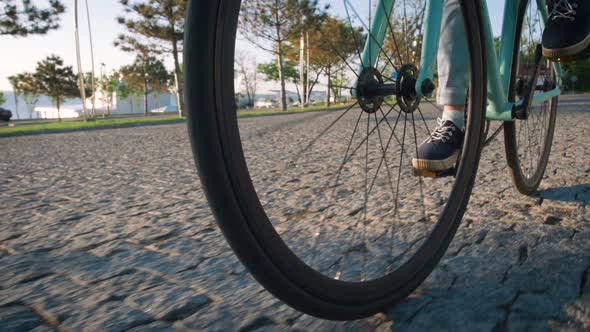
[(438, 154), (567, 33)]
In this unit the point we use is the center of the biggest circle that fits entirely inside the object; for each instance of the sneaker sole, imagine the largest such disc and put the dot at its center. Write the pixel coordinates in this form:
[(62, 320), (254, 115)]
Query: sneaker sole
[(567, 53), (433, 168)]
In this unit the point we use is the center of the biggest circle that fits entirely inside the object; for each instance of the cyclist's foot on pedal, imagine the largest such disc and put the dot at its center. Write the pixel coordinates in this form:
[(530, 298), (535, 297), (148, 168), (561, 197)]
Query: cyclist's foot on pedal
[(438, 154), (567, 34)]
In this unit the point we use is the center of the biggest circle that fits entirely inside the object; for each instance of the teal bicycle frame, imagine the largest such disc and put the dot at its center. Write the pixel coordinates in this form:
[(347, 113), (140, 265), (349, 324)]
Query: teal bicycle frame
[(499, 66)]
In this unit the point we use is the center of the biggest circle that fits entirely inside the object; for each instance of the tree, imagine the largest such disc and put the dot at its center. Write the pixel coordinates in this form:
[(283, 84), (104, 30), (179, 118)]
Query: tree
[(22, 18), (108, 85), (581, 71), (56, 80), (27, 86), (2, 98), (309, 18), (267, 24), (403, 43), (155, 27), (148, 75), (14, 94), (247, 77), (271, 72), (332, 45)]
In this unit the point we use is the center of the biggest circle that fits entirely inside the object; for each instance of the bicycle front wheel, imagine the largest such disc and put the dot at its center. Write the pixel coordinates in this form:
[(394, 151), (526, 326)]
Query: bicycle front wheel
[(528, 141), (322, 206)]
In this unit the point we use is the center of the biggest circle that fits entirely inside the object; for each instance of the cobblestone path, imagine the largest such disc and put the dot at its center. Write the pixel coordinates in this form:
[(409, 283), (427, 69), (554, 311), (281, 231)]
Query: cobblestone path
[(109, 231)]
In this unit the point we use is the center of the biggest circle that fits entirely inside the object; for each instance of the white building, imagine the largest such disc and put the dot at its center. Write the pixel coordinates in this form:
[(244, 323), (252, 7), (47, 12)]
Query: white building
[(157, 103)]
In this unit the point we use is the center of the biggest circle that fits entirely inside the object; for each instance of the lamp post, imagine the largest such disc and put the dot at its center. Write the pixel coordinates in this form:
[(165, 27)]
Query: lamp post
[(92, 60), (79, 60), (102, 65)]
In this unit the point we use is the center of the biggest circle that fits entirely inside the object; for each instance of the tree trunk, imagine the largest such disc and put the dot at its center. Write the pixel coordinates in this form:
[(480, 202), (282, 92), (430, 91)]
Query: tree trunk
[(328, 90), (282, 79), (280, 60), (16, 105), (303, 94), (58, 114), (307, 88), (145, 103), (178, 79)]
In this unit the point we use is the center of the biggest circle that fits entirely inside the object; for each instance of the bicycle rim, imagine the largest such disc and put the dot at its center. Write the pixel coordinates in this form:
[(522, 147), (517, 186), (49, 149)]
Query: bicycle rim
[(295, 194)]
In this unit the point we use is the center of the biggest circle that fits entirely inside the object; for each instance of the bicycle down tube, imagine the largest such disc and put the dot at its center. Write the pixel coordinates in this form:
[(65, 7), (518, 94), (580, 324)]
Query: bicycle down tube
[(499, 66)]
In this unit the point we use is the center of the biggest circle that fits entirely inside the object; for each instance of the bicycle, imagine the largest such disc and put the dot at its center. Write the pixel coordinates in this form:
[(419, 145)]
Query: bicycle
[(299, 221)]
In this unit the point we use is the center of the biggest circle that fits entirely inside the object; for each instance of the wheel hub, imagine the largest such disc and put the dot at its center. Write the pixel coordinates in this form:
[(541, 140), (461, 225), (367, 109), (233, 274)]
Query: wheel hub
[(372, 89), (368, 84), (407, 98)]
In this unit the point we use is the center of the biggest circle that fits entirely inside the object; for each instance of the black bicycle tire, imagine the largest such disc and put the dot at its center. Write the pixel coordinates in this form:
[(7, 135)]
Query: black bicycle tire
[(526, 186), (214, 135)]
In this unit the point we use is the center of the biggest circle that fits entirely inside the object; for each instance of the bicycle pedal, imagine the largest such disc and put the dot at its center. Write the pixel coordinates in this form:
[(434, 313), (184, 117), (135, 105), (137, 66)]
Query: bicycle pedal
[(434, 174)]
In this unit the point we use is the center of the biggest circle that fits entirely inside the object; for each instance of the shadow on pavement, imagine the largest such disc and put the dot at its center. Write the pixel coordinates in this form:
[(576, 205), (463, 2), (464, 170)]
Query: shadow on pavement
[(579, 193)]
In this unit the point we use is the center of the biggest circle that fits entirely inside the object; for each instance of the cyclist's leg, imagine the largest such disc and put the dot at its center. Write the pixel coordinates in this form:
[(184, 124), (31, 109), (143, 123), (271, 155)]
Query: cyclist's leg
[(440, 151), (452, 64)]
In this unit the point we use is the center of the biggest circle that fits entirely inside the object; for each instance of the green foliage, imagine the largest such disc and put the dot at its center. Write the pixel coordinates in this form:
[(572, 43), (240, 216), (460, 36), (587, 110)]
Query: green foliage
[(275, 21), (150, 22), (155, 27), (271, 71), (334, 41), (147, 74), (108, 85), (77, 125), (56, 80), (580, 69), (23, 17), (2, 98), (27, 86)]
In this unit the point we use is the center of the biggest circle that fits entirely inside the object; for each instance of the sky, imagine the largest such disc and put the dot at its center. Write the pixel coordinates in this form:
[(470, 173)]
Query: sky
[(21, 54)]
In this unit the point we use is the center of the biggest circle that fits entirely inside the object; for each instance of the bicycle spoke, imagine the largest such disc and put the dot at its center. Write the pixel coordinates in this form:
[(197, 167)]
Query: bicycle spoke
[(380, 45), (313, 141), (392, 31), (364, 231), (353, 34), (428, 131)]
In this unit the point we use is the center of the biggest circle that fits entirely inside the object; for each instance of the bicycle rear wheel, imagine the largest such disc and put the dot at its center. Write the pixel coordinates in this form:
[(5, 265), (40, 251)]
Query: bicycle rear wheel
[(528, 141), (322, 208)]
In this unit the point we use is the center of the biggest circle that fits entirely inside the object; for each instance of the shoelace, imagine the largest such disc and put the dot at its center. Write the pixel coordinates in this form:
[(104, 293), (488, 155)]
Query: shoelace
[(442, 133), (564, 9)]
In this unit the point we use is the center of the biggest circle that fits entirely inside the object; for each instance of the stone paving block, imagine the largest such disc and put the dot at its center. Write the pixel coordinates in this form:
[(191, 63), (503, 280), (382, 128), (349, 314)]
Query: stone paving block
[(109, 317), (310, 324), (517, 322), (538, 307), (474, 309), (87, 241), (154, 327), (408, 308), (168, 302), (34, 290), (215, 317), (554, 269), (18, 319), (126, 284), (180, 245), (23, 268), (87, 268), (124, 254)]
